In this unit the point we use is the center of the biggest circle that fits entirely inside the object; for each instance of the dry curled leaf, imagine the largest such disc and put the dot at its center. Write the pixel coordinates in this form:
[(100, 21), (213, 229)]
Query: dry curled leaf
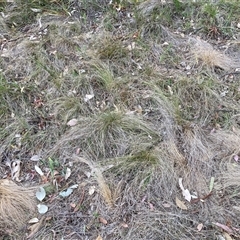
[(103, 220), (88, 97), (99, 238), (124, 225), (91, 190), (66, 193), (181, 204), (199, 227), (15, 170), (33, 220), (185, 192), (72, 122), (68, 173)]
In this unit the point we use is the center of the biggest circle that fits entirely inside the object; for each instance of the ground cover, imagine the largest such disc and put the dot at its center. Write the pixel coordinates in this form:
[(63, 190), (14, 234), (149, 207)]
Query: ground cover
[(126, 113)]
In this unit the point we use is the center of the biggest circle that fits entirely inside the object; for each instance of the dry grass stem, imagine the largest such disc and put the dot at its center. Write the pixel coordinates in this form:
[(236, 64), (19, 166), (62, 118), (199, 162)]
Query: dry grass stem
[(103, 186)]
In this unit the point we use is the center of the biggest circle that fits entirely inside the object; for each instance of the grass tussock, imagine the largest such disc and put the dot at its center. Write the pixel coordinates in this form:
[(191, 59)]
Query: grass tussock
[(206, 55), (103, 133), (17, 205)]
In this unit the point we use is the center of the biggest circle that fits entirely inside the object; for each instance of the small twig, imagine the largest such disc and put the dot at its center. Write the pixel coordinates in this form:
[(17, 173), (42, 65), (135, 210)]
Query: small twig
[(231, 73), (24, 36), (201, 198)]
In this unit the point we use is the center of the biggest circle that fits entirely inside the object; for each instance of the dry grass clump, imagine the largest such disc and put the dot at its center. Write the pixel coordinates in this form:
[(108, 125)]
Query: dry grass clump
[(17, 204), (147, 7), (108, 134), (208, 56), (113, 49)]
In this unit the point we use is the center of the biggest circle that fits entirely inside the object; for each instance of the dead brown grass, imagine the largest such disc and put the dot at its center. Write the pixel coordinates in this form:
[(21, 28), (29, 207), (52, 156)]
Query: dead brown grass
[(205, 54), (17, 205)]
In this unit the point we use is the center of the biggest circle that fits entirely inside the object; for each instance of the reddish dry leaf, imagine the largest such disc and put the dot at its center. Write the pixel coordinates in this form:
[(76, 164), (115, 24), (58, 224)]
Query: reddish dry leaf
[(224, 227), (102, 220), (44, 179)]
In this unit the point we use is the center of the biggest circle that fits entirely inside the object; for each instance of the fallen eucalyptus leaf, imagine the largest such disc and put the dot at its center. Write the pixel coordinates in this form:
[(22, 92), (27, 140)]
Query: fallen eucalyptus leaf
[(42, 208), (74, 186), (34, 228), (66, 193), (91, 190), (38, 170), (68, 173), (33, 220), (35, 158), (181, 204), (41, 194), (187, 195), (211, 184), (88, 97), (199, 227), (72, 122), (15, 170)]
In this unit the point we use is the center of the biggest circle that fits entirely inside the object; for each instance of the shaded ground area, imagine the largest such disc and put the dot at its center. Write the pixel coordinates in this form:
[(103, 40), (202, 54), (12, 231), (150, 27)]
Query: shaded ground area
[(121, 101)]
